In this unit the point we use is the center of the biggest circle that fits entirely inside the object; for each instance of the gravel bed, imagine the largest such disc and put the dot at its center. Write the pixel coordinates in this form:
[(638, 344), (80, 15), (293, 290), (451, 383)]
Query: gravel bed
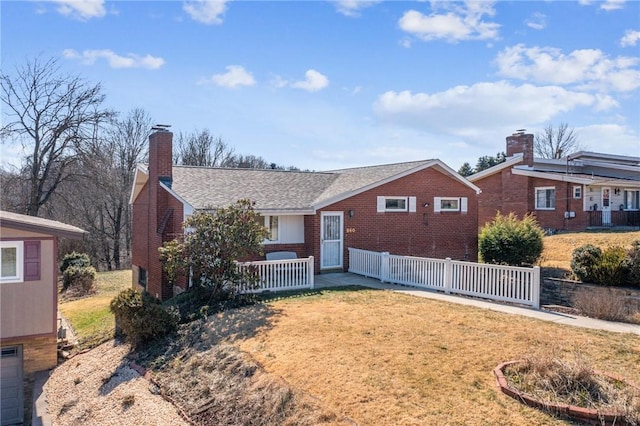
[(99, 388)]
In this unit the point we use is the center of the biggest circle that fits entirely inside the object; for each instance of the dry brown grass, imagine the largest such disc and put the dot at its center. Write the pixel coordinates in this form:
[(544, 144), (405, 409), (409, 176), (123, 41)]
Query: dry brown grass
[(558, 248), (383, 358), (556, 379)]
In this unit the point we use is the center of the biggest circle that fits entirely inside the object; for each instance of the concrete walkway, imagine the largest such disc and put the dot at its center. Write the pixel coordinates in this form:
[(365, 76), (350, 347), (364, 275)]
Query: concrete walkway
[(346, 279)]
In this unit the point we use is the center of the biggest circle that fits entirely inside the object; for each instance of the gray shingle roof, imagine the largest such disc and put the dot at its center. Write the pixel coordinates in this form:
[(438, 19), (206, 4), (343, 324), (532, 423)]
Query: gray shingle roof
[(205, 188)]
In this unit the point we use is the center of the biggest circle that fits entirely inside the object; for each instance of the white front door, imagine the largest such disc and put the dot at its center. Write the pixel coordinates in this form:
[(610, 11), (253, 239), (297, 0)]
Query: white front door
[(606, 206), (330, 240)]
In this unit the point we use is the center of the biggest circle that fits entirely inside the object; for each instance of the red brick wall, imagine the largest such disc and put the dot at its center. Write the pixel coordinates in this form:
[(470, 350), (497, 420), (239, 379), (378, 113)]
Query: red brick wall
[(422, 233), (506, 192)]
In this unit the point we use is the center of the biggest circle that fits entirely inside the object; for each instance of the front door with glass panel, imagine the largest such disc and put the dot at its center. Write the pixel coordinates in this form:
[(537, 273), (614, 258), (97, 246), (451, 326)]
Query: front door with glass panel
[(330, 240), (606, 206)]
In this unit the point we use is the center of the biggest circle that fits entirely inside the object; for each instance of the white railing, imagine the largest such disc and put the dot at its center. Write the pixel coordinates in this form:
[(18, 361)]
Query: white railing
[(497, 282), (279, 275)]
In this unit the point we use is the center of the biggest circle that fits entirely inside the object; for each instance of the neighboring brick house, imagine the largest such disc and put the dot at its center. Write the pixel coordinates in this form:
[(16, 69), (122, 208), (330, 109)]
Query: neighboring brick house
[(419, 208), (583, 190), (28, 305)]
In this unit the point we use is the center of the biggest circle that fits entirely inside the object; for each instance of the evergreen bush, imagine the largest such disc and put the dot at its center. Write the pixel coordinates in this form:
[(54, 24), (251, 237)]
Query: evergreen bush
[(80, 279), (142, 318), (80, 260), (583, 262), (507, 240)]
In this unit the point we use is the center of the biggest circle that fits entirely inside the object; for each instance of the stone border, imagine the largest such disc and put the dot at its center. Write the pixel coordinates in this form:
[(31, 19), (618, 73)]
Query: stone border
[(587, 415)]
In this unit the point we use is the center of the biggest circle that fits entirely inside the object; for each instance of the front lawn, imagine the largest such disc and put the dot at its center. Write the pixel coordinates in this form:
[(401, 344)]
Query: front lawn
[(89, 316), (377, 357)]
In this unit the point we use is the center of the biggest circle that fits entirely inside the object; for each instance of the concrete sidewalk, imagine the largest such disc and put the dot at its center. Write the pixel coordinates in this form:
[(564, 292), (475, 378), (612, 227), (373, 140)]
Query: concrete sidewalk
[(347, 279)]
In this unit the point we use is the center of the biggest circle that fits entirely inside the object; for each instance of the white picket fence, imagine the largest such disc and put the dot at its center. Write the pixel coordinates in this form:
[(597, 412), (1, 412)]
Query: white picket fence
[(496, 282), (279, 275)]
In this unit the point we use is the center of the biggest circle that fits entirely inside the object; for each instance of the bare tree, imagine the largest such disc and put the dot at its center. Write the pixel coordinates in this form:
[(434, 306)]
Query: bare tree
[(110, 162), (200, 148), (556, 142), (52, 114)]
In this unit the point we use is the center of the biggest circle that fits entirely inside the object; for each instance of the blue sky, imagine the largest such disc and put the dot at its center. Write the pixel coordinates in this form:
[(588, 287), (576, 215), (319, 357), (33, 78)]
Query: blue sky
[(331, 84)]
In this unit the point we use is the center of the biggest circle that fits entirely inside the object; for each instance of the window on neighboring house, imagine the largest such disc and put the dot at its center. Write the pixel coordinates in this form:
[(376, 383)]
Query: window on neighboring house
[(632, 199), (450, 204), (142, 277), (11, 261), (546, 198), (271, 223), (577, 192), (396, 204)]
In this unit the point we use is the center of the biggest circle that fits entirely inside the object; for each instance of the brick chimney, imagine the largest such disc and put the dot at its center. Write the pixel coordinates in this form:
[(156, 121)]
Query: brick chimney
[(161, 155), (521, 142), (160, 171)]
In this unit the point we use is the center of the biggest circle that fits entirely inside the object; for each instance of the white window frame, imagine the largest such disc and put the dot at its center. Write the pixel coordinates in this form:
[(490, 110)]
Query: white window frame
[(267, 224), (446, 200), (577, 192), (626, 202), (544, 188), (462, 204), (19, 246), (409, 202)]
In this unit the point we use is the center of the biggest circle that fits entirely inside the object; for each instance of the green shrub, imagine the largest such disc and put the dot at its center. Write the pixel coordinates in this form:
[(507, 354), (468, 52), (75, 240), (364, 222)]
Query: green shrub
[(584, 260), (81, 260), (79, 279), (142, 318), (509, 241), (610, 268), (632, 264)]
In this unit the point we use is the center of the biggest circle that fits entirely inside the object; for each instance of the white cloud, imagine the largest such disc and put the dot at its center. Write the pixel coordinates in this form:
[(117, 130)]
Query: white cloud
[(630, 38), (590, 68), (612, 5), (459, 22), (353, 7), (131, 60), (313, 82), (235, 76), (537, 21), (206, 11), (467, 110), (609, 138), (81, 9)]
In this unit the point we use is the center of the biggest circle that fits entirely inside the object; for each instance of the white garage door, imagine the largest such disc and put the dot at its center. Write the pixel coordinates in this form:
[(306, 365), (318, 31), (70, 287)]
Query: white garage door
[(11, 385)]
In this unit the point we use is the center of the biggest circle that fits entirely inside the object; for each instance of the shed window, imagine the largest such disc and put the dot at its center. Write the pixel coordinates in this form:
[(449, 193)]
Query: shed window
[(11, 261)]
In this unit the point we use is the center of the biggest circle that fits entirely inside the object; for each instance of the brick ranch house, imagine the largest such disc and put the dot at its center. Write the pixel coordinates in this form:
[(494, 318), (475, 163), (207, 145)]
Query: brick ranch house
[(419, 208), (580, 191), (28, 306)]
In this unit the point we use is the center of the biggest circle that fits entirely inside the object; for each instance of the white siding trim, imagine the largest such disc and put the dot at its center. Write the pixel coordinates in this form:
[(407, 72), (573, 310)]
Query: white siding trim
[(463, 204), (381, 204), (436, 204)]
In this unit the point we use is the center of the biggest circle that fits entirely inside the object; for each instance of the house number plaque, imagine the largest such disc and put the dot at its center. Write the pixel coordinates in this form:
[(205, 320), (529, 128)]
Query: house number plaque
[(351, 230)]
